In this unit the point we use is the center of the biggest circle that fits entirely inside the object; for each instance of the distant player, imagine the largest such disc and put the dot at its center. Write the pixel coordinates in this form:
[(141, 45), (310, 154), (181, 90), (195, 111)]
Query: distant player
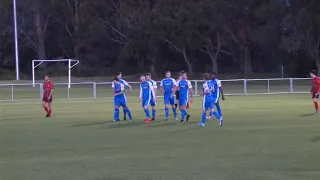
[(167, 86), (146, 95), (185, 89), (315, 90), (177, 91), (155, 87), (122, 81), (214, 78), (216, 96), (208, 100), (47, 95), (119, 100)]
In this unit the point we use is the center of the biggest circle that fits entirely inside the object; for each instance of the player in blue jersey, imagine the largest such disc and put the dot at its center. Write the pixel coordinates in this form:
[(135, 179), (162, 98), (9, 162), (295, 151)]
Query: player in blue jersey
[(216, 96), (119, 100), (185, 90), (122, 81), (214, 78), (208, 100), (146, 95), (155, 87), (167, 86)]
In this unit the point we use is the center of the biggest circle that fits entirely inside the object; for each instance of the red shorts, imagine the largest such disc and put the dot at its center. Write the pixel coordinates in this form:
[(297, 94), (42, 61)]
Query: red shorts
[(47, 100), (315, 96)]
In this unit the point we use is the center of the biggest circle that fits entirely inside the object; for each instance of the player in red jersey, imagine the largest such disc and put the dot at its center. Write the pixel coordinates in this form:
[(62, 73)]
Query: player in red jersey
[(47, 95), (315, 90)]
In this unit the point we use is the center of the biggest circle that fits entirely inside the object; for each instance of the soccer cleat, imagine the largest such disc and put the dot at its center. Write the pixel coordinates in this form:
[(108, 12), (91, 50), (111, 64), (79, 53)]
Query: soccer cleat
[(208, 117), (153, 119), (202, 125), (166, 119), (124, 118), (221, 122), (188, 117), (181, 120), (130, 119), (47, 115), (147, 121), (176, 118)]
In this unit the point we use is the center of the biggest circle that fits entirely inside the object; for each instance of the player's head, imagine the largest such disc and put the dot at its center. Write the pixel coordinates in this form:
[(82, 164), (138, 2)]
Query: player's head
[(143, 78), (213, 75), (168, 74), (46, 78), (116, 80), (184, 76), (206, 76), (119, 75), (148, 76), (313, 73)]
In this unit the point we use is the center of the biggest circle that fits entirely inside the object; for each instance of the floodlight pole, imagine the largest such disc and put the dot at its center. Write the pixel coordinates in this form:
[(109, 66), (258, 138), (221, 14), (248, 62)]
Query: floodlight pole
[(16, 39)]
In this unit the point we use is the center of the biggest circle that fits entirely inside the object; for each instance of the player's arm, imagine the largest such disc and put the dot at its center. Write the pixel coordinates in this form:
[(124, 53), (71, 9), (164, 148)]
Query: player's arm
[(161, 86), (127, 84), (141, 92), (51, 91), (221, 89), (112, 85), (318, 86), (152, 91), (190, 91), (121, 92), (205, 89), (155, 87), (175, 86)]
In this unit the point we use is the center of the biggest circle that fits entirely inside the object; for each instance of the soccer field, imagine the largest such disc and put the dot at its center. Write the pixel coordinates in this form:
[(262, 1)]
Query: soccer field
[(263, 137)]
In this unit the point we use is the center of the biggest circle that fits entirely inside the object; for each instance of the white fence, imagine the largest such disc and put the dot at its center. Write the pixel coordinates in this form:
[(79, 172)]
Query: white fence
[(13, 92)]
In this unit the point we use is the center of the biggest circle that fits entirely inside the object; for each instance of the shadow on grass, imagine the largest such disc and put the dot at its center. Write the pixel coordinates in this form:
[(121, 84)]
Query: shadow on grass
[(90, 124), (14, 119), (306, 115), (315, 139)]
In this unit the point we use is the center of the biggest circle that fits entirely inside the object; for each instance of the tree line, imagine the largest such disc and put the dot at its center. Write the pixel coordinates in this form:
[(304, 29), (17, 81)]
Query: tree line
[(227, 36)]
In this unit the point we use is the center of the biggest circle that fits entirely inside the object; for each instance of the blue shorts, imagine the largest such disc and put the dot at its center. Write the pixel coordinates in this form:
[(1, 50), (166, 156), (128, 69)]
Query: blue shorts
[(120, 102), (168, 99), (216, 99), (183, 101), (207, 104), (148, 102)]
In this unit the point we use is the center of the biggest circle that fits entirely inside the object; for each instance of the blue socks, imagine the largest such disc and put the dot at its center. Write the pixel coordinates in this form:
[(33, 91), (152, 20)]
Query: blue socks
[(124, 113), (166, 110), (219, 110), (116, 114), (204, 118), (147, 112), (174, 111), (129, 113), (153, 113), (183, 113), (217, 115)]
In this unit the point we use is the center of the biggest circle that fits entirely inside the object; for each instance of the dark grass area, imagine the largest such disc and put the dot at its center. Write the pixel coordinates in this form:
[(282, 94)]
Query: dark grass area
[(264, 137)]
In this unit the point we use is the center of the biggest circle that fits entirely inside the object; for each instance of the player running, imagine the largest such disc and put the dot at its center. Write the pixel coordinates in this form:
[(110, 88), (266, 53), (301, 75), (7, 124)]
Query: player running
[(315, 90), (208, 100), (122, 81), (167, 86), (119, 100), (185, 89), (214, 78), (146, 95), (47, 95), (155, 87)]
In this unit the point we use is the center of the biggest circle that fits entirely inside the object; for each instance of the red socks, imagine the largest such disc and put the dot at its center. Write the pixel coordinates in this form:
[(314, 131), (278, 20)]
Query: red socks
[(49, 112), (316, 105), (46, 109)]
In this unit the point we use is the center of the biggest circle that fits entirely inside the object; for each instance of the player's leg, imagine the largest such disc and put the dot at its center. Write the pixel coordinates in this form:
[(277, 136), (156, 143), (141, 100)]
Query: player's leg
[(174, 109), (116, 113), (145, 105), (124, 110), (166, 106), (44, 105), (219, 108), (204, 114), (216, 114), (154, 111), (49, 108), (183, 108), (177, 98), (315, 102), (125, 107)]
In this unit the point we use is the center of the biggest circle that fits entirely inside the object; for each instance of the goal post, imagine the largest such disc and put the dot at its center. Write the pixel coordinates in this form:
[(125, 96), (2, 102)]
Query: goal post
[(71, 63)]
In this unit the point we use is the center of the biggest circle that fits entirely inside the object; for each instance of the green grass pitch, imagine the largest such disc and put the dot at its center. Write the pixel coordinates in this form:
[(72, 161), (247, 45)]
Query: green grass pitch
[(263, 138)]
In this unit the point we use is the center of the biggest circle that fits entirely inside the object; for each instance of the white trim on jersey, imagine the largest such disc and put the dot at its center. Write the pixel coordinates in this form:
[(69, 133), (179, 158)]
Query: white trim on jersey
[(204, 102)]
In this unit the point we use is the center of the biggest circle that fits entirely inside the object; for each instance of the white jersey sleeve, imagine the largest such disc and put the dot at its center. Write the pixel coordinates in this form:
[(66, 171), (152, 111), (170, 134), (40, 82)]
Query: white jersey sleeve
[(152, 90), (154, 83), (174, 82), (219, 83), (205, 86), (112, 84), (125, 82), (161, 83), (189, 84), (140, 96)]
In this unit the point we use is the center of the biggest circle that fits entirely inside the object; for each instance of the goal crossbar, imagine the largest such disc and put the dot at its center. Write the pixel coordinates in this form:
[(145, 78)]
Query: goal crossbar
[(71, 63)]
